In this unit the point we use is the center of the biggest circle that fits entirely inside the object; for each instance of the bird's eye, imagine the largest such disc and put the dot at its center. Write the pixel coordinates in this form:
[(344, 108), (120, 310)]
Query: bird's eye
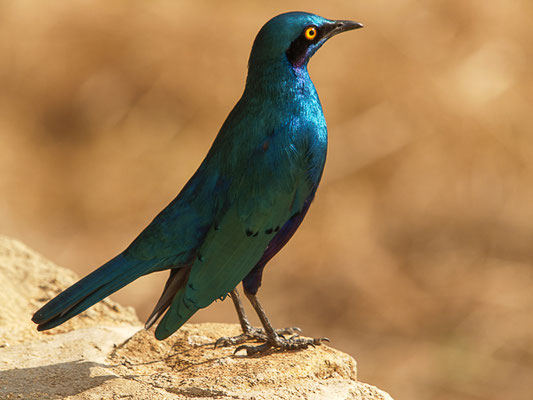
[(310, 33)]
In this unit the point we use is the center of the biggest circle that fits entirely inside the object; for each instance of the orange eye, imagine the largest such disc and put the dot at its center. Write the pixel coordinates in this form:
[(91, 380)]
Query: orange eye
[(310, 33)]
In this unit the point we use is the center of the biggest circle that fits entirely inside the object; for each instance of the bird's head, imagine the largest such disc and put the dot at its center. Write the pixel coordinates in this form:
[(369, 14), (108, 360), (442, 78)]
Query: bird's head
[(295, 36)]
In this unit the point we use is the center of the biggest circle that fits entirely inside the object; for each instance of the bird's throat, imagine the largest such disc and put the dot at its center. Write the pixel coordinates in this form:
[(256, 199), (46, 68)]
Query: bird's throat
[(280, 79)]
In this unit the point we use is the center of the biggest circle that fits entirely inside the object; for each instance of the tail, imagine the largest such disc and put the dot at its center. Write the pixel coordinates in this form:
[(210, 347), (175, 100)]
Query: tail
[(107, 279), (179, 312)]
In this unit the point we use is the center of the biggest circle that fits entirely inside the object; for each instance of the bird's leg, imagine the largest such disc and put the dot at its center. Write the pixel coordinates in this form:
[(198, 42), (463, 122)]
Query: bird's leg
[(274, 340), (248, 331), (243, 319), (247, 328)]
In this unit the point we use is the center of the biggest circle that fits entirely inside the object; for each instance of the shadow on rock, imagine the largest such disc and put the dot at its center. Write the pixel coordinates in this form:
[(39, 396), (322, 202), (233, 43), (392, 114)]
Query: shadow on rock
[(55, 381)]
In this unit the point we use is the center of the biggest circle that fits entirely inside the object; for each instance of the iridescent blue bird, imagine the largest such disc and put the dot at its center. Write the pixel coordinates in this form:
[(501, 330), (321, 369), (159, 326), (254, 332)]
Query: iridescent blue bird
[(244, 202)]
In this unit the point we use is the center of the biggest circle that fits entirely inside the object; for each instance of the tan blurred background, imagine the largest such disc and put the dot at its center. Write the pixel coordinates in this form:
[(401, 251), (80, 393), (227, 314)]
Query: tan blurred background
[(417, 256)]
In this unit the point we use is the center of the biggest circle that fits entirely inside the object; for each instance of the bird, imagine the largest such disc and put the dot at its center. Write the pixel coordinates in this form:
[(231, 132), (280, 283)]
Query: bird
[(243, 204)]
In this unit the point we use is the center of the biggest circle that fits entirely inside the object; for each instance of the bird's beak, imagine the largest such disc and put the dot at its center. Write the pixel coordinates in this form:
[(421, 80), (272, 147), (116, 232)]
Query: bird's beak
[(340, 26)]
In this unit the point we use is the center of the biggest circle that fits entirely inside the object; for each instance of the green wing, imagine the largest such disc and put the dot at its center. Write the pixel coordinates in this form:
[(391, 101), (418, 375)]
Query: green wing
[(260, 203)]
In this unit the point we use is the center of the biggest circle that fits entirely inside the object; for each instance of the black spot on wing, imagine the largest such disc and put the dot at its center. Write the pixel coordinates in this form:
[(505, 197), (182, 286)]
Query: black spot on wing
[(268, 231)]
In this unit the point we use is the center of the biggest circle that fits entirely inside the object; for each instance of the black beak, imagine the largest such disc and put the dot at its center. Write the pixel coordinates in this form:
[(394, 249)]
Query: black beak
[(339, 27)]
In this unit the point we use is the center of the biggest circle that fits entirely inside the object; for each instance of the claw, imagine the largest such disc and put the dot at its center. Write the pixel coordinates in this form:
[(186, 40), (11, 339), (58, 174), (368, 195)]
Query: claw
[(277, 343), (254, 334), (281, 344), (228, 341), (243, 347)]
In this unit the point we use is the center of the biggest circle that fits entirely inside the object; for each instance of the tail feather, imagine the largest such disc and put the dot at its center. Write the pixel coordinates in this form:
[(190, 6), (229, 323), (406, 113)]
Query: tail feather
[(179, 312), (176, 280), (106, 280)]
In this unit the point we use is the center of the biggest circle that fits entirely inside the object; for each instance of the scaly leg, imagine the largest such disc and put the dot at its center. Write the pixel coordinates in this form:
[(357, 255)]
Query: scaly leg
[(248, 331), (274, 341)]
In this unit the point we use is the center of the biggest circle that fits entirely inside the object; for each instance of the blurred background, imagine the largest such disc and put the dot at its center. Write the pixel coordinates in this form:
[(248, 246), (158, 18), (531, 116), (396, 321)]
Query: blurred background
[(417, 255)]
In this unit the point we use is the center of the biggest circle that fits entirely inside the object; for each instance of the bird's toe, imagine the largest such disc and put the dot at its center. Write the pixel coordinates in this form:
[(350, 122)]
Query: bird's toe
[(280, 344)]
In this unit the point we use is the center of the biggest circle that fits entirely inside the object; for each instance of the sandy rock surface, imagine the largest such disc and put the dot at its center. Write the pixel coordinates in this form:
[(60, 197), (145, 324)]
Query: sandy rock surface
[(27, 281), (105, 353)]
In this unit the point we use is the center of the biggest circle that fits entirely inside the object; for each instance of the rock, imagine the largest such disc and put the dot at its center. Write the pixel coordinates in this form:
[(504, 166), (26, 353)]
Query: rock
[(105, 354)]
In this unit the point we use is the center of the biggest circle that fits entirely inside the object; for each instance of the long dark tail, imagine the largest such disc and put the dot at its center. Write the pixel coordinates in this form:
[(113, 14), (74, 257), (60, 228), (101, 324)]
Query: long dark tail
[(107, 279)]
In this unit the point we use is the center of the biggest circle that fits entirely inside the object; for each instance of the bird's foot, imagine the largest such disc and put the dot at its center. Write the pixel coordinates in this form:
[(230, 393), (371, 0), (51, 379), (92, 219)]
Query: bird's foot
[(279, 343), (252, 333)]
